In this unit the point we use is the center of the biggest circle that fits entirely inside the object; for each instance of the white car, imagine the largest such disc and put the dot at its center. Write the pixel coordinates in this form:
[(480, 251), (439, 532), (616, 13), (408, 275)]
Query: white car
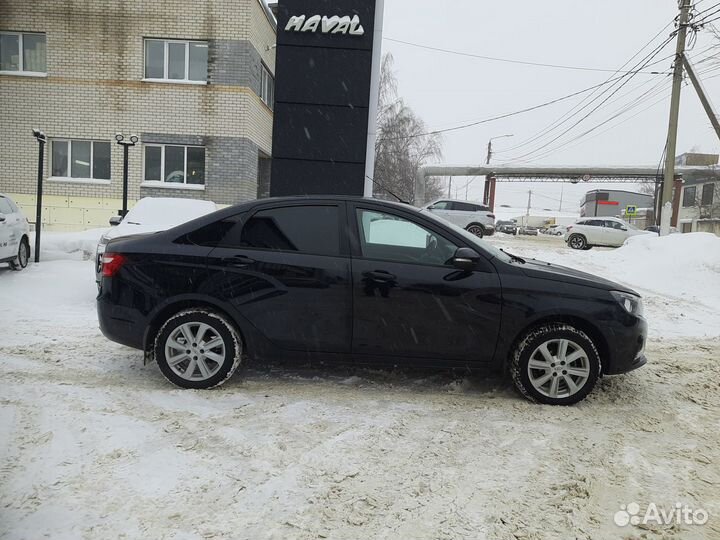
[(14, 234), (475, 218), (151, 215), (599, 231)]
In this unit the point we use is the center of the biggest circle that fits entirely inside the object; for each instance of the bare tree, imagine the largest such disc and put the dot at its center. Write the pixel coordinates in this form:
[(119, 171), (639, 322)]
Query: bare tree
[(402, 145)]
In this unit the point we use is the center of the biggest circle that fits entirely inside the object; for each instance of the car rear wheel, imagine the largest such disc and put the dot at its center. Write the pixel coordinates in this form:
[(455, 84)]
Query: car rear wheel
[(23, 256), (198, 348), (555, 364), (476, 229), (577, 241)]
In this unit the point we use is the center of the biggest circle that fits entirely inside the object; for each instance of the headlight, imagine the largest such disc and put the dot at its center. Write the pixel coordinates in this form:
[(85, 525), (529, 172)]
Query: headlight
[(630, 303)]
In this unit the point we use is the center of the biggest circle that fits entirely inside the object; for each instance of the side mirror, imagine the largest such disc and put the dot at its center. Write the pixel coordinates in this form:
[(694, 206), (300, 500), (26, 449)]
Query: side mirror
[(432, 207), (115, 220), (465, 259)]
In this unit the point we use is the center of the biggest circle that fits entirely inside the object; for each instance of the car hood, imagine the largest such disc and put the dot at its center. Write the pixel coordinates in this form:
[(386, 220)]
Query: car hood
[(555, 272)]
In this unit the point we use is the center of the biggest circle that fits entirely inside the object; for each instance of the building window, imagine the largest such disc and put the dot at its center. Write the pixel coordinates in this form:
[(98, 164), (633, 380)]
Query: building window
[(689, 195), (707, 194), (267, 87), (80, 159), (175, 164), (22, 52), (176, 61)]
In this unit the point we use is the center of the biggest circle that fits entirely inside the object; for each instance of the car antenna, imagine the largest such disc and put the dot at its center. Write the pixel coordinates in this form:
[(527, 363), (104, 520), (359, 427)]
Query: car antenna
[(386, 189)]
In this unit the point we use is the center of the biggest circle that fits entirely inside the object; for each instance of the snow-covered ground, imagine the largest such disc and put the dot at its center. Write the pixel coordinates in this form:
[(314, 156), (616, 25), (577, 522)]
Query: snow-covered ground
[(95, 445)]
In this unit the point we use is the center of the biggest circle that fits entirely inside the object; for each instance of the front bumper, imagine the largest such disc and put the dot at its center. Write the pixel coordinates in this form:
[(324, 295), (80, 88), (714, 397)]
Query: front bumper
[(628, 347)]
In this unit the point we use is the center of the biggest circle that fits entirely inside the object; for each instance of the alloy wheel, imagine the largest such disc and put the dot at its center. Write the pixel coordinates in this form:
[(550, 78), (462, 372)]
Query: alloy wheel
[(577, 242), (476, 230), (559, 368), (23, 255), (195, 351)]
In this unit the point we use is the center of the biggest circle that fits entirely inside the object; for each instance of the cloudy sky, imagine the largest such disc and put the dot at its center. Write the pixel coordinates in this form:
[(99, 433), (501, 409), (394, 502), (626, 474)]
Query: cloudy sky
[(448, 90)]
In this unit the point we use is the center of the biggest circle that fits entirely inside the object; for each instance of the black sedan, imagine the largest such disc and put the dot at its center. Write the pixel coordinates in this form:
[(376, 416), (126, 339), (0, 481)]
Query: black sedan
[(361, 281)]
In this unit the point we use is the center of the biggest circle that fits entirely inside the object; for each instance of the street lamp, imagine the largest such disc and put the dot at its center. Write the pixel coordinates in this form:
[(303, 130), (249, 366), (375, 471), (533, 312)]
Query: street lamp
[(120, 139), (489, 152), (41, 139)]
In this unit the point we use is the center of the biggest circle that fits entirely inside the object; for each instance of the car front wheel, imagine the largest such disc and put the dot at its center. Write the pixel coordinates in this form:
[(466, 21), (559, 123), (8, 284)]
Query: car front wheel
[(23, 256), (198, 348), (555, 364), (577, 241), (477, 230)]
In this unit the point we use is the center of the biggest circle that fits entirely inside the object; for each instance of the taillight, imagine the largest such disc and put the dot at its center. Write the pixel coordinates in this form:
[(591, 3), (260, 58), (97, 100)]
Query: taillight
[(111, 264)]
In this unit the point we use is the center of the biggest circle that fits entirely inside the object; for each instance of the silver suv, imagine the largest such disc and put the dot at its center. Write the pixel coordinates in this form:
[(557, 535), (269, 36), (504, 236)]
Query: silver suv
[(475, 218)]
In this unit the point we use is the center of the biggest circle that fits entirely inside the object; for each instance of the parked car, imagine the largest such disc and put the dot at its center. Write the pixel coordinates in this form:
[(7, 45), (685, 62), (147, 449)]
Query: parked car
[(366, 281), (507, 227), (150, 215), (607, 231), (14, 234), (528, 231), (556, 230), (475, 218)]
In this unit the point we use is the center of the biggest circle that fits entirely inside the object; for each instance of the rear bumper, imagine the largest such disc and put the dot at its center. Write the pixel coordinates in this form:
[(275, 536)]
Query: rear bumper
[(120, 324)]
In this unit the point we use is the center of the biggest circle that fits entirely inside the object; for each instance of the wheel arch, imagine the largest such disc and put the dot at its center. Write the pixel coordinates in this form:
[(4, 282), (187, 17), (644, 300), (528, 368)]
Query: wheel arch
[(592, 331), (158, 318)]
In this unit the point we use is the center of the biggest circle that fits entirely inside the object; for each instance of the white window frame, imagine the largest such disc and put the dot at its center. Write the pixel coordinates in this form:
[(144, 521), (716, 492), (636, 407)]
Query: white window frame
[(21, 70), (164, 78), (79, 180), (172, 185), (265, 75)]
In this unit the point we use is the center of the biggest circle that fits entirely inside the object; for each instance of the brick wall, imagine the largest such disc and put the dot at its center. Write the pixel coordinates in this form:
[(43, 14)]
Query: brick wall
[(94, 89)]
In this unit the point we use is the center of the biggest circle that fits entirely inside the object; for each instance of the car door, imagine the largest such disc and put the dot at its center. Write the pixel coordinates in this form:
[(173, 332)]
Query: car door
[(614, 233), (9, 237), (443, 209), (466, 213), (594, 232), (408, 301), (286, 270)]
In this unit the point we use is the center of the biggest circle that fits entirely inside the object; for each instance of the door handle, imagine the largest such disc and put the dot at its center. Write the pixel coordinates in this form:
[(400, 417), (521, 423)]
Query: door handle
[(380, 275), (238, 261)]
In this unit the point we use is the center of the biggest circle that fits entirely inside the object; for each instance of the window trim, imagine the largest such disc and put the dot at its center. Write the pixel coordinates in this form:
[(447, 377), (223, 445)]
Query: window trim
[(711, 188), (693, 201), (165, 79), (22, 72), (79, 179), (172, 185), (265, 71)]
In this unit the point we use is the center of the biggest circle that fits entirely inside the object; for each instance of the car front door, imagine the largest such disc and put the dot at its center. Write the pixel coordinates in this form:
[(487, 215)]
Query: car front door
[(9, 237), (443, 209), (409, 301), (286, 270)]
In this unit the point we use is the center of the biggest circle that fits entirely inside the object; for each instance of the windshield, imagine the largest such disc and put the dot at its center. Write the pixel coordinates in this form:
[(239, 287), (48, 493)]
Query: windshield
[(471, 238)]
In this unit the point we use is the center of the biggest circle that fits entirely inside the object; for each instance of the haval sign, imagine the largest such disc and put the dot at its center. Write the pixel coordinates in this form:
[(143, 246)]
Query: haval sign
[(326, 25)]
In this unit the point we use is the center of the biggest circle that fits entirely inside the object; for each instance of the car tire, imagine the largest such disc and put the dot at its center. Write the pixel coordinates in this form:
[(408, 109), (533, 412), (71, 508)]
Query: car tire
[(577, 241), (188, 334), (555, 364), (23, 257), (476, 229), (587, 248)]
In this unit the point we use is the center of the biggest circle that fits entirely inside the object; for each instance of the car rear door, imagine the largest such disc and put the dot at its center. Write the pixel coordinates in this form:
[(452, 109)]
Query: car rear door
[(613, 232), (286, 270), (408, 301)]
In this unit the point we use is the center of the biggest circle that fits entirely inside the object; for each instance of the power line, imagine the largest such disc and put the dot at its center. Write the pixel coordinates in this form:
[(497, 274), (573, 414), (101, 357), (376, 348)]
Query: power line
[(506, 60)]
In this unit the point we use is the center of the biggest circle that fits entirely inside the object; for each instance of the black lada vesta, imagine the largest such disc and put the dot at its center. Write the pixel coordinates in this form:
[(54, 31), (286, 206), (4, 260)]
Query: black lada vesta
[(361, 281)]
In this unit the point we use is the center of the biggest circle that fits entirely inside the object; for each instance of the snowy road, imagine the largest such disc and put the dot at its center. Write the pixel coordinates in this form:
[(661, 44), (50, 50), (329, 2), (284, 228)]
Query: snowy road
[(95, 445)]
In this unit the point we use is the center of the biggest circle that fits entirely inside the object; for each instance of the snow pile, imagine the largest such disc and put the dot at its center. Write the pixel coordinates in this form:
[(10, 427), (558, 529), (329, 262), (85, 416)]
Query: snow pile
[(68, 245)]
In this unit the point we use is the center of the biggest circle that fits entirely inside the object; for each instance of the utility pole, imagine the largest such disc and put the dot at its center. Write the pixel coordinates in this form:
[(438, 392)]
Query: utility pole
[(42, 141), (450, 188), (562, 190), (667, 192), (704, 99), (529, 201)]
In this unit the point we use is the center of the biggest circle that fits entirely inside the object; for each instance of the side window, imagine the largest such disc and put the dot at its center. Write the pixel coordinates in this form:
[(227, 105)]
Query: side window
[(306, 229), (595, 223), (613, 225), (442, 205), (392, 238), (225, 232), (464, 207)]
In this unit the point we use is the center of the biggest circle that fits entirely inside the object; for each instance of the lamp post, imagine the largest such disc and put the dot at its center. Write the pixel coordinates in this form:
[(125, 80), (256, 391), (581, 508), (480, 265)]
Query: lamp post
[(41, 139), (489, 151), (120, 139), (489, 195)]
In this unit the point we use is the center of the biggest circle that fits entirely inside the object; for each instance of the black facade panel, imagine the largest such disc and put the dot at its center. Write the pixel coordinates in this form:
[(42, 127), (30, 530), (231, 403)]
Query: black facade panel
[(320, 133), (322, 89), (327, 76), (303, 177)]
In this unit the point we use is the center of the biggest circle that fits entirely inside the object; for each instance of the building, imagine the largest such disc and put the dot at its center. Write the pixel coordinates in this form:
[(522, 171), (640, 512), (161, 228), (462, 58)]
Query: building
[(693, 159), (700, 206), (193, 80), (612, 202)]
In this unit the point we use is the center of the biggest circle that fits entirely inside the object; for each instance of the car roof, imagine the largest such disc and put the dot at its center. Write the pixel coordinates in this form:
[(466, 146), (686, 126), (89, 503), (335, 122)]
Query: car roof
[(312, 198), (460, 201)]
